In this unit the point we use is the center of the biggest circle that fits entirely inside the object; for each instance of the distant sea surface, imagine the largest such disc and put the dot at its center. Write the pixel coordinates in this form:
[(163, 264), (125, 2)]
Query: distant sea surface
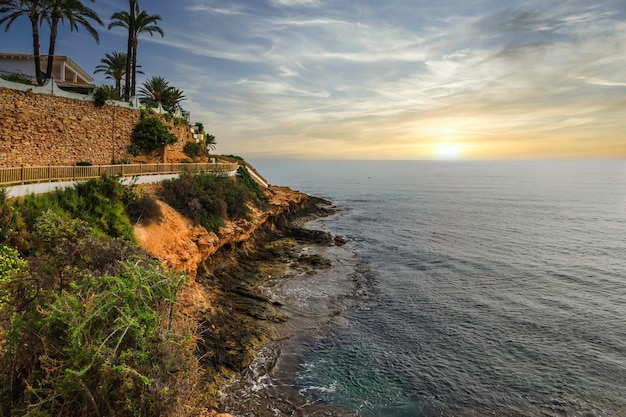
[(493, 288)]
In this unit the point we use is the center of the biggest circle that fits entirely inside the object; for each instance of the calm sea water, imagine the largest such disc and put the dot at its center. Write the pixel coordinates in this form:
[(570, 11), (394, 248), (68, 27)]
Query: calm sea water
[(493, 288)]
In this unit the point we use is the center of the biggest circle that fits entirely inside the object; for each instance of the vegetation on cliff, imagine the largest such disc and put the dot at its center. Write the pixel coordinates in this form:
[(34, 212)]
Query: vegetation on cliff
[(208, 199), (84, 317), (88, 323)]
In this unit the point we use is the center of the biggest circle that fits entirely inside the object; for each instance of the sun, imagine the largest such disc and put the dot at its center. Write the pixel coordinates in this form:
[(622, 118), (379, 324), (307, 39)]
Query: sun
[(448, 151)]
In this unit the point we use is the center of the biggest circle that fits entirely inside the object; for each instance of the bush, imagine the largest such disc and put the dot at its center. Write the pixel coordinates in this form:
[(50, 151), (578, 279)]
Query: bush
[(10, 264), (194, 195), (143, 208), (92, 350), (83, 164), (238, 158), (97, 201), (13, 230), (134, 149), (94, 330), (101, 95), (149, 135), (194, 150), (251, 184), (19, 77), (207, 198)]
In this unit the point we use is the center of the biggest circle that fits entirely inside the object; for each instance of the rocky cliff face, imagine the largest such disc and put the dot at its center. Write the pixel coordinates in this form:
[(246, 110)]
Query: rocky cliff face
[(182, 246), (233, 332)]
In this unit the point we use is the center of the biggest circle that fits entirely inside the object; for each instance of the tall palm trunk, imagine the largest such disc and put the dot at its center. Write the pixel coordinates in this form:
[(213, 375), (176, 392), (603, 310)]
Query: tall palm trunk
[(129, 51), (134, 63), (54, 26), (34, 22)]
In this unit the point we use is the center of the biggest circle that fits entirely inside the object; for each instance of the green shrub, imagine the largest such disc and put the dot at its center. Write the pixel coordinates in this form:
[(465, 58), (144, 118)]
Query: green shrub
[(238, 158), (13, 230), (143, 208), (134, 149), (83, 164), (97, 201), (103, 346), (195, 196), (150, 134), (93, 329), (207, 198), (11, 264), (180, 121), (20, 78), (101, 95), (194, 150), (251, 184)]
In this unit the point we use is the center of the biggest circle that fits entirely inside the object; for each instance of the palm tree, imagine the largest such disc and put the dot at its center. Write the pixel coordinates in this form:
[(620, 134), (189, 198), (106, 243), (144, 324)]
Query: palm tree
[(138, 23), (157, 90), (210, 142), (76, 14), (33, 9), (129, 51), (114, 67)]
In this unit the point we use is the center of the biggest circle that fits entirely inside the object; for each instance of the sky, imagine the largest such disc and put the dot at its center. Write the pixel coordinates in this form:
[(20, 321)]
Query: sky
[(374, 79)]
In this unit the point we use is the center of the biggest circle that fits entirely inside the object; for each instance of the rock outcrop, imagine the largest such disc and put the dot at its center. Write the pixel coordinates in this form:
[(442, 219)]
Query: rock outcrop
[(182, 246)]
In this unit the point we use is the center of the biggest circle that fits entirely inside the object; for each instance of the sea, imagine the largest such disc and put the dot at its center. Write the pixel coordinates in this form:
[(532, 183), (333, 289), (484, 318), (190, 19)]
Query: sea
[(466, 288)]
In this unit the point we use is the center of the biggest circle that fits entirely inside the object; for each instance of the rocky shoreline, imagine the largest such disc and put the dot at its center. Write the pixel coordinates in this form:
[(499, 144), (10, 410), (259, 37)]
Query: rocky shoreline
[(231, 271)]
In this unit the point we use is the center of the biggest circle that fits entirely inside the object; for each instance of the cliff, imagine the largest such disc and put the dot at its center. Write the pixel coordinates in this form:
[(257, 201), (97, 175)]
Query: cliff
[(182, 246), (232, 319)]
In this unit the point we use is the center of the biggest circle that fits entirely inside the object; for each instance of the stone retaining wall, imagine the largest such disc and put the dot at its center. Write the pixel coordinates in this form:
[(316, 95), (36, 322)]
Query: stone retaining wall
[(41, 129)]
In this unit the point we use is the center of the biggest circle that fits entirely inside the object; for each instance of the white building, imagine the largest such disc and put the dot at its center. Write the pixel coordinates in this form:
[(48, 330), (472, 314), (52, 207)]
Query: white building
[(65, 72)]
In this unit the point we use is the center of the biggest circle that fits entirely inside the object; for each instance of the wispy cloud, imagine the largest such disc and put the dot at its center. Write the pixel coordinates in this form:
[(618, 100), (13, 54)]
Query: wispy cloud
[(297, 3), (321, 78)]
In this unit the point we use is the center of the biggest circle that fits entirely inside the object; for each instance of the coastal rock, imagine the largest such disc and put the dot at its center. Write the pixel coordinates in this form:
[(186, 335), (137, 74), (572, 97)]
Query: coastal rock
[(182, 246)]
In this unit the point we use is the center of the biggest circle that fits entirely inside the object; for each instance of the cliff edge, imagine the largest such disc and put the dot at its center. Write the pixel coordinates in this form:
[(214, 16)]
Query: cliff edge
[(181, 245)]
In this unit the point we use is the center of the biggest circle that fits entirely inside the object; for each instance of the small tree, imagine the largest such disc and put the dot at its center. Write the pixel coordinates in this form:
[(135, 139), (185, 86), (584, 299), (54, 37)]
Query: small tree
[(150, 134)]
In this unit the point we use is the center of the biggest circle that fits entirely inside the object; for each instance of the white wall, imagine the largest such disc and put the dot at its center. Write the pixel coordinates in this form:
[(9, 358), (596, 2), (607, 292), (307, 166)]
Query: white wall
[(24, 66)]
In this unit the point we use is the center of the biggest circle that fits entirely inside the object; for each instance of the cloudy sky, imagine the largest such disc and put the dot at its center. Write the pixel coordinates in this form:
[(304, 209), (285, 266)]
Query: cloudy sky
[(392, 79)]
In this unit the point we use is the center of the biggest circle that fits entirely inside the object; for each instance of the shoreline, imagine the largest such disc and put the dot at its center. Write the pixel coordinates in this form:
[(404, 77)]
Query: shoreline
[(308, 298), (234, 274)]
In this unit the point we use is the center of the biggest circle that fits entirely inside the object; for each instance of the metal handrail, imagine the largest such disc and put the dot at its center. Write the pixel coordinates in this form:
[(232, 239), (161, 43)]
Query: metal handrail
[(50, 173)]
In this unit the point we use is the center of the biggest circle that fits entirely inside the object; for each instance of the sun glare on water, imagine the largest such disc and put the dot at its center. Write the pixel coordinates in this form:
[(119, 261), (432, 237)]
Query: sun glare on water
[(448, 151)]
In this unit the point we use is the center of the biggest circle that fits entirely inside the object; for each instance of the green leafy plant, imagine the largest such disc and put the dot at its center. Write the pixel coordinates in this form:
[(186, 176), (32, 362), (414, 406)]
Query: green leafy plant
[(150, 134), (19, 77), (13, 230), (134, 149), (101, 95), (180, 121), (99, 323), (251, 184), (207, 198), (91, 350), (11, 264), (97, 201), (144, 208), (238, 158), (194, 150)]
